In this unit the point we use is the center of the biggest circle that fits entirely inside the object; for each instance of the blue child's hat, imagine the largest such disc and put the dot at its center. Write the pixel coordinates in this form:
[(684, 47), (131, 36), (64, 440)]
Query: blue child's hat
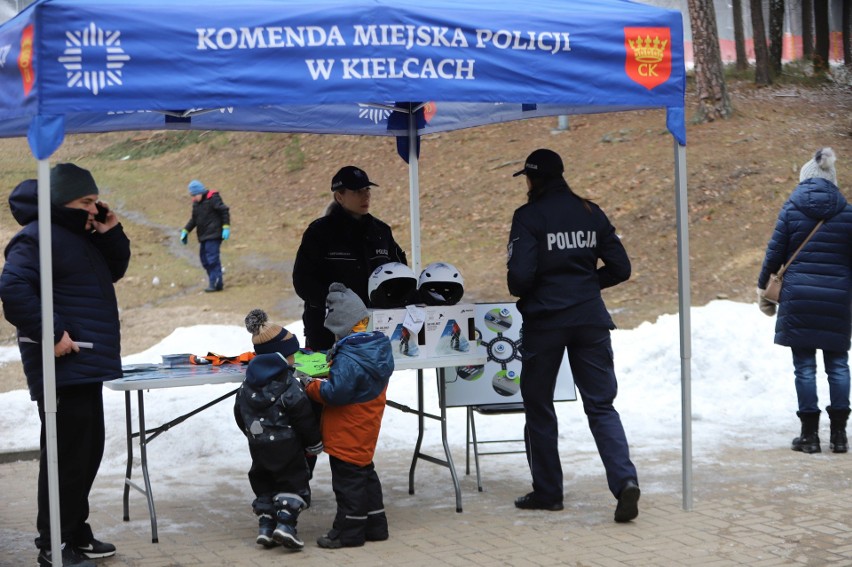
[(196, 187)]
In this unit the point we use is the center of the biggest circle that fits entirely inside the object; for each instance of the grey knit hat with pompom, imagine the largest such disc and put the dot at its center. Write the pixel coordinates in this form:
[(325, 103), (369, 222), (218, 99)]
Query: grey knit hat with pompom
[(822, 165)]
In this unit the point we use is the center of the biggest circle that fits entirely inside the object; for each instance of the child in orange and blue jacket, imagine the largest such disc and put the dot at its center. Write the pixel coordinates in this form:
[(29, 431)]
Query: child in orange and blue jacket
[(353, 396)]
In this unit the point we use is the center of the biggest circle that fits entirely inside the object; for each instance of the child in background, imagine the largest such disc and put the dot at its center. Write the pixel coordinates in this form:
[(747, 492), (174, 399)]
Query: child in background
[(353, 396), (274, 413)]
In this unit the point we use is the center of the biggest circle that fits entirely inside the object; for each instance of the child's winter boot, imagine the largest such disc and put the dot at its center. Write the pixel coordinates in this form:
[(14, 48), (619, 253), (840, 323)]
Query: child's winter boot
[(266, 525), (287, 508)]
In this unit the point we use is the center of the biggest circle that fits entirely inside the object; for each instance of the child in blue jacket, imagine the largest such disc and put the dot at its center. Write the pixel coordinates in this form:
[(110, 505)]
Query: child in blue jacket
[(353, 398)]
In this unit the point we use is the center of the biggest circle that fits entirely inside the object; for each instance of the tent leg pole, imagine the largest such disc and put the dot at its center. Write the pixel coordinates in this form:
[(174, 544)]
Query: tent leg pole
[(414, 191), (47, 358), (684, 312)]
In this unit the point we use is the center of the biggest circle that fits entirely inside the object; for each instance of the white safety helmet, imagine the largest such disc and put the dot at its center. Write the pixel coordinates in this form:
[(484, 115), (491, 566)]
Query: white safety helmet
[(440, 284), (392, 285)]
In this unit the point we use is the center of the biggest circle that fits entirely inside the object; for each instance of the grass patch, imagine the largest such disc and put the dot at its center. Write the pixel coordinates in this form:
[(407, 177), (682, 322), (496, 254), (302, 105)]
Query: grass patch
[(294, 156), (156, 144)]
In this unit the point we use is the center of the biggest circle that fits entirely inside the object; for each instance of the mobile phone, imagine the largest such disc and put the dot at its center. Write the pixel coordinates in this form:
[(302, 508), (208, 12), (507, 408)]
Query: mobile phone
[(102, 212)]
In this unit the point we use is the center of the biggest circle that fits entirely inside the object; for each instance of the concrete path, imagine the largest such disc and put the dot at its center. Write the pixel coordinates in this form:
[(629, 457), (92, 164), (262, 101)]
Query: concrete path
[(750, 507)]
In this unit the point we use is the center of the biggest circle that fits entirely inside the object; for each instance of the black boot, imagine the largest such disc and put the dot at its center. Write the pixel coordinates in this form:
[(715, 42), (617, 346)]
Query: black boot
[(838, 419), (265, 526), (808, 441), (287, 508)]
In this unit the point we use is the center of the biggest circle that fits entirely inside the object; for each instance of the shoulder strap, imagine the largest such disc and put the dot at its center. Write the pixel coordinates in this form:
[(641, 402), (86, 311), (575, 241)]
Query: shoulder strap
[(799, 249)]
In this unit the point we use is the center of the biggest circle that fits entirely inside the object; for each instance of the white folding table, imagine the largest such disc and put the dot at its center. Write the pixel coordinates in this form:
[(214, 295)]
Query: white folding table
[(143, 377), (440, 364)]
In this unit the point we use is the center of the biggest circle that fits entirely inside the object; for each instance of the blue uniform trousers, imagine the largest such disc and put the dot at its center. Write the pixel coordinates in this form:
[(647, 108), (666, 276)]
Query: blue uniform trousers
[(590, 356)]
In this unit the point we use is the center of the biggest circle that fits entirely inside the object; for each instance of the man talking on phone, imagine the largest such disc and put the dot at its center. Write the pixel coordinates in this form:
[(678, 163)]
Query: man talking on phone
[(90, 253)]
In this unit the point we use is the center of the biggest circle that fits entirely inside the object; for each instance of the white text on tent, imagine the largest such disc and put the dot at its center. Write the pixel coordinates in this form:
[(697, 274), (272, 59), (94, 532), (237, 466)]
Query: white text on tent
[(392, 68)]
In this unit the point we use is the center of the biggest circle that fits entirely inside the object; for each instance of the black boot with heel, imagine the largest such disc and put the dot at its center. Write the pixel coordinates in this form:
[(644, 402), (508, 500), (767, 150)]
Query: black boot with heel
[(838, 419), (808, 441)]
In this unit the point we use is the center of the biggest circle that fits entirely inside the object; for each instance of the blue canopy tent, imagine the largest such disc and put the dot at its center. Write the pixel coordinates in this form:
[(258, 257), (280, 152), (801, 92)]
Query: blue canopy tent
[(399, 68)]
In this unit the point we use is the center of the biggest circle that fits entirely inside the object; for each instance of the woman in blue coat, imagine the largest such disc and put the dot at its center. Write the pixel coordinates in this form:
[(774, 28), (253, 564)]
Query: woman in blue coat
[(814, 308)]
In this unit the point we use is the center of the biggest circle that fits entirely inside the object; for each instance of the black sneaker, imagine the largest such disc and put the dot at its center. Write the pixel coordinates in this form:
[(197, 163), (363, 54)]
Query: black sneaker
[(327, 542), (70, 558), (332, 541), (96, 549), (377, 535), (531, 502), (628, 503)]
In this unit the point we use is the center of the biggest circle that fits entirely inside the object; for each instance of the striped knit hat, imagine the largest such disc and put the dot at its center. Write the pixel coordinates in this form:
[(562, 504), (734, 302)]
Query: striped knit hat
[(268, 337)]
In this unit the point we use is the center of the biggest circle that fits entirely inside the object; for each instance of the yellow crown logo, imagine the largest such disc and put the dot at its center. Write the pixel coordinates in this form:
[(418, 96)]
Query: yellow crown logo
[(648, 50)]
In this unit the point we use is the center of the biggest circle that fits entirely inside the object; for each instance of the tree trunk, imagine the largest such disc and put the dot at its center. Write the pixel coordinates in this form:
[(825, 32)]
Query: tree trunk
[(713, 99), (776, 34), (822, 36), (739, 35), (808, 29), (846, 22), (762, 76)]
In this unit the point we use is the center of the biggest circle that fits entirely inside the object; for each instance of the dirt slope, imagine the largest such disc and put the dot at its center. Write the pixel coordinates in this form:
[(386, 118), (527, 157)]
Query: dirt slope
[(739, 172)]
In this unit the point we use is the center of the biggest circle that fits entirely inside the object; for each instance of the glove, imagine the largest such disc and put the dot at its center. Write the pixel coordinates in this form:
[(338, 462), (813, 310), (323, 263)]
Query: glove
[(184, 236), (226, 232), (767, 307), (303, 378), (314, 449)]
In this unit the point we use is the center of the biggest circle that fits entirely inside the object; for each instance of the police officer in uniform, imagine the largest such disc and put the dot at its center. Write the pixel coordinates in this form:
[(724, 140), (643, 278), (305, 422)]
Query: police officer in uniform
[(344, 246), (562, 251)]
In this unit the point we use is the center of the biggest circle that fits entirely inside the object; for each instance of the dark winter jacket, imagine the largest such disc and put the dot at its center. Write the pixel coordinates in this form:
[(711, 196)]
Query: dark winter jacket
[(354, 394), (209, 215), (554, 249), (272, 410), (339, 248), (814, 311), (85, 266)]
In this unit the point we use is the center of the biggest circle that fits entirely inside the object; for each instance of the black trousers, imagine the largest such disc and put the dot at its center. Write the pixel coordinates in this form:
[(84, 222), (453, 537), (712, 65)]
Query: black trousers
[(80, 442), (317, 337), (360, 505), (591, 359), (271, 474)]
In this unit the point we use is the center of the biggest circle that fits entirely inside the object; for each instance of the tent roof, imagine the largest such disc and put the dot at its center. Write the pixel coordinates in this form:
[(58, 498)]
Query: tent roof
[(330, 66)]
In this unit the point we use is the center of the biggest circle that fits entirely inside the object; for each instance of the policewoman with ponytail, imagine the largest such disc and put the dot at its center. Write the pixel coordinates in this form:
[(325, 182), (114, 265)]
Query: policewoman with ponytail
[(562, 252)]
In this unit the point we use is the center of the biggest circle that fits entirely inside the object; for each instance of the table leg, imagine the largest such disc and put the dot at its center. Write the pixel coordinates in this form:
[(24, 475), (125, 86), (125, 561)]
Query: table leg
[(447, 461), (442, 403), (129, 425), (420, 429), (146, 436), (143, 453)]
